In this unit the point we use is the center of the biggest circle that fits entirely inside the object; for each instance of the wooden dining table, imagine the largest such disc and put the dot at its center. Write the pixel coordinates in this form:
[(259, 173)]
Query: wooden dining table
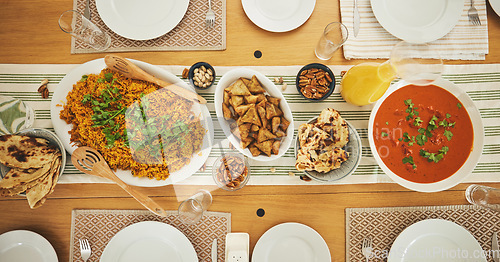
[(29, 34)]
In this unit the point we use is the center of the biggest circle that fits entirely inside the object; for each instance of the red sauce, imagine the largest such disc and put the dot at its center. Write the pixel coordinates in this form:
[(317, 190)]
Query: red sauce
[(396, 136)]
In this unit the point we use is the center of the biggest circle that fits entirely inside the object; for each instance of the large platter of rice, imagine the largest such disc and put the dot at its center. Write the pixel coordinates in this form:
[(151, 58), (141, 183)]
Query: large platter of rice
[(132, 159)]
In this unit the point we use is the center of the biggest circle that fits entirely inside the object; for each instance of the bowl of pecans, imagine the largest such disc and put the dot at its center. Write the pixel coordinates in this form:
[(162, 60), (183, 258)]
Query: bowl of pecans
[(315, 82), (231, 171), (201, 75)]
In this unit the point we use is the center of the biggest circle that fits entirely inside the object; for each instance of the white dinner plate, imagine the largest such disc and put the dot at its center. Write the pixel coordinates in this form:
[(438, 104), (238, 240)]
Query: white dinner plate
[(418, 21), (495, 4), (291, 242), (470, 163), (149, 241), (435, 240), (278, 15), (226, 80), (141, 20), (94, 67), (26, 246)]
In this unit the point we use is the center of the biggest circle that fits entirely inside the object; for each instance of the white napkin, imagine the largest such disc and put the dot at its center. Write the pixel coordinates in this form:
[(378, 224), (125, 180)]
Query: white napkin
[(464, 42)]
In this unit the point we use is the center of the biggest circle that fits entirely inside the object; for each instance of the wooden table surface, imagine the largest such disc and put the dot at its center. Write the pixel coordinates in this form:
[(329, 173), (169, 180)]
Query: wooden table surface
[(29, 33)]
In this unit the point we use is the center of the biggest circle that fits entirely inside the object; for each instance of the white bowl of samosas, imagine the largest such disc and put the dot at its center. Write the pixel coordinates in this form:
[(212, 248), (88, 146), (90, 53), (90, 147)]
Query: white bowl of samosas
[(253, 114), (31, 162)]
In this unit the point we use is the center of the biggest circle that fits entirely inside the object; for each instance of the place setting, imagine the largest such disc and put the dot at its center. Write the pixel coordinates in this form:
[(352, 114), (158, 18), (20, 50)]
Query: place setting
[(153, 26), (449, 27)]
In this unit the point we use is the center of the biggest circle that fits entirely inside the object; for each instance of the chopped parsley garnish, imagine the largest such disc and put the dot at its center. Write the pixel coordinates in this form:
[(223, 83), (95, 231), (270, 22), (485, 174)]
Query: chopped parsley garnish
[(435, 157), (384, 134), (421, 139), (408, 139), (432, 124), (445, 123), (425, 133), (448, 134), (417, 121), (107, 107), (411, 110), (409, 160)]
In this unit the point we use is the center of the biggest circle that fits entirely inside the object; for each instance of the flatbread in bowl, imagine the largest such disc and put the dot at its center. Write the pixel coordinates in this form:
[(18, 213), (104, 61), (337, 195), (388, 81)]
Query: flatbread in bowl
[(32, 161)]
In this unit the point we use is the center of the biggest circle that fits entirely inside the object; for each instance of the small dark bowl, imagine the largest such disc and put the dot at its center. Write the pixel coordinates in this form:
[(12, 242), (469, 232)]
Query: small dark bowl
[(324, 68), (199, 65)]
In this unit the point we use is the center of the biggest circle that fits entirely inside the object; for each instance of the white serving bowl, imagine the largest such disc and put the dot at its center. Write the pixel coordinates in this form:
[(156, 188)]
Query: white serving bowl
[(469, 164), (226, 80)]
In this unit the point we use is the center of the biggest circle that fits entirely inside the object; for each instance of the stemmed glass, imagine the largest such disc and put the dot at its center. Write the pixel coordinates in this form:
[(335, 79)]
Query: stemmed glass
[(418, 64)]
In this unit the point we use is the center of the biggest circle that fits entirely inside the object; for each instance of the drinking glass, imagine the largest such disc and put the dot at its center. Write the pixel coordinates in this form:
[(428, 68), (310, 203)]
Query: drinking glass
[(333, 37), (15, 115), (365, 83), (75, 24), (191, 210), (483, 196)]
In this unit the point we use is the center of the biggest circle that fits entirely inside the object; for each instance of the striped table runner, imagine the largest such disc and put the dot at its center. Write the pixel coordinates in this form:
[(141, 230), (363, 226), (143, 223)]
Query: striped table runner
[(481, 82), (464, 42)]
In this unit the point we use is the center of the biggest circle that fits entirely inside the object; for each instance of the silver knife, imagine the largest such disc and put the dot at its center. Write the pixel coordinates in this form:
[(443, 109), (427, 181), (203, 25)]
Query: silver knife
[(356, 18), (495, 248), (214, 250)]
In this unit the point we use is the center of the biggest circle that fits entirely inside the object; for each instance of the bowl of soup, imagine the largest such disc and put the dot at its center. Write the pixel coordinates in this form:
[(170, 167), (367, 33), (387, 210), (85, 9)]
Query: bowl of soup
[(426, 138)]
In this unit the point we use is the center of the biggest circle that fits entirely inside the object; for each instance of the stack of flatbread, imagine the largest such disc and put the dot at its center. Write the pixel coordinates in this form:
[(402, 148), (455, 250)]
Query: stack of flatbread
[(322, 142), (34, 167)]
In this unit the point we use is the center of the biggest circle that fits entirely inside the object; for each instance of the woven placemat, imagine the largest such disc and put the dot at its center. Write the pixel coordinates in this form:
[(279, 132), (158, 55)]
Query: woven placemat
[(189, 34), (99, 226), (383, 225)]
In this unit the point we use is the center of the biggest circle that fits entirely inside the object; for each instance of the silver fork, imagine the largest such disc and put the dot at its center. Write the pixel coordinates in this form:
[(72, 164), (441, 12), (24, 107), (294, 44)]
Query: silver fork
[(366, 248), (210, 18), (85, 250), (473, 16)]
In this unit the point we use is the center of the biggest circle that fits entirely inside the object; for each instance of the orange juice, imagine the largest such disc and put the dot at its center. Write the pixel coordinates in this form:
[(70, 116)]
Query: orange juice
[(365, 83)]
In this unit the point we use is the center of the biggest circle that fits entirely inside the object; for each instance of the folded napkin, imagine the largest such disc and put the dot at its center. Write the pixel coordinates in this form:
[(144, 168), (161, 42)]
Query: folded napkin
[(464, 42)]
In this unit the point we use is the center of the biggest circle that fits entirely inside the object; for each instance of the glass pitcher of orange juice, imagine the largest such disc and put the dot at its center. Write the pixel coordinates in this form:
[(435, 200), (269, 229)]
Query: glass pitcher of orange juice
[(365, 83)]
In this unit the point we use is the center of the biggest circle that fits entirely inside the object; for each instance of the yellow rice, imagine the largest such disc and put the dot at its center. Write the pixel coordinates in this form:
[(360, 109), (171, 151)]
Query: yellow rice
[(119, 155)]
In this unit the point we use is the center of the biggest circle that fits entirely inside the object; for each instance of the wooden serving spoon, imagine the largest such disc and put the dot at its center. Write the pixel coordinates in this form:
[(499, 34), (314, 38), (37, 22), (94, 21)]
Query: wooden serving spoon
[(130, 70), (90, 161)]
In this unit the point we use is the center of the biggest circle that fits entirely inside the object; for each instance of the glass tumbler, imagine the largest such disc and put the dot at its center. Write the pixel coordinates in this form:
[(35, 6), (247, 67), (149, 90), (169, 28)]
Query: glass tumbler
[(191, 210), (483, 196), (75, 24), (333, 37), (15, 115)]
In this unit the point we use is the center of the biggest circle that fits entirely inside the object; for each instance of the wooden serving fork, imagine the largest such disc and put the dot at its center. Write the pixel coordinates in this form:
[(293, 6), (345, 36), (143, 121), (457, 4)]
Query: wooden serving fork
[(90, 161), (130, 70)]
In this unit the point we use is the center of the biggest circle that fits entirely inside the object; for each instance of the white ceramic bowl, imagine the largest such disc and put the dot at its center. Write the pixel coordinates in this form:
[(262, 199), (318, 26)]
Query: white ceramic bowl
[(469, 164), (226, 80), (53, 141)]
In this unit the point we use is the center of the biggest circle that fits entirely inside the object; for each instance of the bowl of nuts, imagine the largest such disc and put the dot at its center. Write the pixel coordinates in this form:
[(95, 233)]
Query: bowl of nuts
[(315, 82), (231, 171), (201, 75)]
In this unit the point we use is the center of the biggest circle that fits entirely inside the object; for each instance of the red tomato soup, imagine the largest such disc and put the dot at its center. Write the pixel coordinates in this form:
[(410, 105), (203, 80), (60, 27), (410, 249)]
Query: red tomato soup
[(423, 133)]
